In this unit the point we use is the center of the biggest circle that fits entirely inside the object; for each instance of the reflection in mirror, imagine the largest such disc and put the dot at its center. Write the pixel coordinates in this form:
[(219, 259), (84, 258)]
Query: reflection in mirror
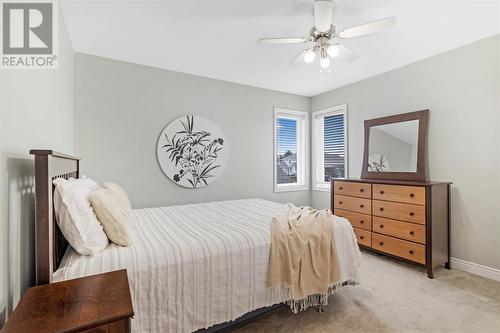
[(393, 147)]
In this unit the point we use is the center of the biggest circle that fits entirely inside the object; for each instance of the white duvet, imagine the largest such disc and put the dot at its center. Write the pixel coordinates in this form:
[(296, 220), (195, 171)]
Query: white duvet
[(193, 266)]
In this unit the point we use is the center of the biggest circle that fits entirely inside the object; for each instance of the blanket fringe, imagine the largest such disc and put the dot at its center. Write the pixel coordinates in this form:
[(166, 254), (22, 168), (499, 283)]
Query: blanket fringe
[(317, 299)]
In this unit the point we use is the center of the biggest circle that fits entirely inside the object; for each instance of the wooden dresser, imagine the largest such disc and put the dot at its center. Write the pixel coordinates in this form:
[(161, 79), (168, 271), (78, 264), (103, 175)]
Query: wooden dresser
[(404, 219)]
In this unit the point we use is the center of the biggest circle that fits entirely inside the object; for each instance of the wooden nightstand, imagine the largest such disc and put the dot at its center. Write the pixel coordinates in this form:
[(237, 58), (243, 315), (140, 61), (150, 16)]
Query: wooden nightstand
[(98, 303)]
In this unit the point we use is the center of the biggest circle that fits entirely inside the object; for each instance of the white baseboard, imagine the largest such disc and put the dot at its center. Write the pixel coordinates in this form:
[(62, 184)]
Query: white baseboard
[(470, 267)]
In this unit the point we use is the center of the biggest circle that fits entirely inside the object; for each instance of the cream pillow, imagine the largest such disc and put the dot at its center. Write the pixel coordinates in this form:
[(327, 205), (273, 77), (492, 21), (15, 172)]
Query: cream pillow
[(121, 196), (112, 215), (75, 216)]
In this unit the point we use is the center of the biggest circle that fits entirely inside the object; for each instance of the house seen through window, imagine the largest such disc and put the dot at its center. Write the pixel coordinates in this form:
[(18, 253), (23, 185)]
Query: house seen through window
[(286, 172)]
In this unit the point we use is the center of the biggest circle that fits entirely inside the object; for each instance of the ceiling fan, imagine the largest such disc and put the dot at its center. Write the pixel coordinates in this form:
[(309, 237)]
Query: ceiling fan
[(326, 38)]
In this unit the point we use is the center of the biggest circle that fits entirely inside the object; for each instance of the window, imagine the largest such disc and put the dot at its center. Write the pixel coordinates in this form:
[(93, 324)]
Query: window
[(329, 146), (290, 157)]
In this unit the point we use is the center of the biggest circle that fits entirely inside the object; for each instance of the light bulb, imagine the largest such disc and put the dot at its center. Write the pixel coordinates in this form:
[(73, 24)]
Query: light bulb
[(325, 62), (333, 50), (309, 56)]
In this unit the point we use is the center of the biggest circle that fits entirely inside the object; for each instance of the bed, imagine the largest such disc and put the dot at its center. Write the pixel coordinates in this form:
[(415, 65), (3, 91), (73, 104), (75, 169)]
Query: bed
[(190, 266)]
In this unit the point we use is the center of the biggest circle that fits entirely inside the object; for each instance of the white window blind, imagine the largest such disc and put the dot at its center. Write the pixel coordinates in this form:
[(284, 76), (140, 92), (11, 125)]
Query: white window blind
[(290, 155), (329, 146)]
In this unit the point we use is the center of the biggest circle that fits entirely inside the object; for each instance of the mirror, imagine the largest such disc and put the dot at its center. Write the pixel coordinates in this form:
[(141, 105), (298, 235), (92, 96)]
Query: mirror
[(395, 147)]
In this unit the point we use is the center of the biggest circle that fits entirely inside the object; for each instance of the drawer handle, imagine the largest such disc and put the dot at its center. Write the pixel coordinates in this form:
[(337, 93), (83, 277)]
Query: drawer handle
[(381, 192), (411, 251), (381, 243), (412, 213), (361, 222), (412, 195), (412, 233), (381, 226), (361, 206), (381, 209), (361, 190), (361, 237), (340, 202), (341, 188)]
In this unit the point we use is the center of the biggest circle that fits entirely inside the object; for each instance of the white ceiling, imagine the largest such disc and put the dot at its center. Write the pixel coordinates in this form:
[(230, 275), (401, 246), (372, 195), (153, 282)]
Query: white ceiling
[(218, 38)]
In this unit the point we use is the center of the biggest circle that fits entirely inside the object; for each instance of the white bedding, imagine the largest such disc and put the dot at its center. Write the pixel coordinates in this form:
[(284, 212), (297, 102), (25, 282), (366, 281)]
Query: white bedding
[(193, 266)]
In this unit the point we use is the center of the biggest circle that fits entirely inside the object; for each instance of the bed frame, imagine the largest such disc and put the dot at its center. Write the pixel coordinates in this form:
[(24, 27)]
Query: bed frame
[(50, 244)]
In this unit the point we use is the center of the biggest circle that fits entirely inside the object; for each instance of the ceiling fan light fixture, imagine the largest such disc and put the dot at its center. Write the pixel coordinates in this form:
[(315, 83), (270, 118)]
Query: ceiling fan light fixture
[(325, 36), (333, 50), (309, 56)]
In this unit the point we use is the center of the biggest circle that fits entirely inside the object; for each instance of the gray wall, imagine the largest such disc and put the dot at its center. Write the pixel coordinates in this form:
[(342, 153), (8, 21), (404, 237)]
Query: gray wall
[(36, 111), (121, 108), (462, 90)]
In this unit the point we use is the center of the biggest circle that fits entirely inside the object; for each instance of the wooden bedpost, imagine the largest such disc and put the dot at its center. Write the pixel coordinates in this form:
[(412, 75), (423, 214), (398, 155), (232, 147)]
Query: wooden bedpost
[(50, 244)]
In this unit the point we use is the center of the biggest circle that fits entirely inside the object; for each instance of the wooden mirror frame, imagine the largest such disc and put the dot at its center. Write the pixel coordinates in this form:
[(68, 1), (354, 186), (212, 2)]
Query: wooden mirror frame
[(419, 175)]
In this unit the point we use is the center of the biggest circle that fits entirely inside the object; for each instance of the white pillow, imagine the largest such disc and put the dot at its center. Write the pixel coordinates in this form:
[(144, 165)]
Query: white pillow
[(75, 216), (112, 215), (122, 196)]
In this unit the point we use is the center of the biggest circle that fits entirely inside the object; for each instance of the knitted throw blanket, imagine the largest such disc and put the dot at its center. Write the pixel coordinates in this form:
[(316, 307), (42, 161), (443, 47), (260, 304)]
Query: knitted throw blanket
[(303, 257)]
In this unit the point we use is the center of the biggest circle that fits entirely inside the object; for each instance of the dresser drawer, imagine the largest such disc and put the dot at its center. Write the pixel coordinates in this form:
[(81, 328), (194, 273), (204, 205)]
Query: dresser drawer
[(353, 204), (401, 248), (364, 237), (407, 194), (410, 231), (357, 220), (361, 190), (399, 211)]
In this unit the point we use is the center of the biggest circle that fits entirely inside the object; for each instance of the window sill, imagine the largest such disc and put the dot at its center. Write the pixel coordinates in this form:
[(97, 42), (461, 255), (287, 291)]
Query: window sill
[(321, 189), (291, 189)]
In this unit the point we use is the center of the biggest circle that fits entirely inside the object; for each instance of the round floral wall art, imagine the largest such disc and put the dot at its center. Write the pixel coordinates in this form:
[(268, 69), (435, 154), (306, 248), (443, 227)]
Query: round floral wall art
[(192, 151)]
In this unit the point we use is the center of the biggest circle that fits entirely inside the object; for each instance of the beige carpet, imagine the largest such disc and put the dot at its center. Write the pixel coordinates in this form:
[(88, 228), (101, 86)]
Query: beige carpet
[(398, 297)]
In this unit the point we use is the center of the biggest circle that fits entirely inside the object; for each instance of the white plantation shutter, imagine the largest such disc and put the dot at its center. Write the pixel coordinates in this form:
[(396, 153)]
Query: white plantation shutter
[(301, 149), (329, 146), (290, 134), (319, 147)]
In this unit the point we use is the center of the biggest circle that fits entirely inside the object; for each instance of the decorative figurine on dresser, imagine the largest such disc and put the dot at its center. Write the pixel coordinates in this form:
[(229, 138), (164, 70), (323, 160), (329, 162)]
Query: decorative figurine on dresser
[(393, 209)]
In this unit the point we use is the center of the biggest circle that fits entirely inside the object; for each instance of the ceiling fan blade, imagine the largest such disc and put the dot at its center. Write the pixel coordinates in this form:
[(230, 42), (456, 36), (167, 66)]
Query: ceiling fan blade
[(286, 40), (346, 54), (323, 13), (299, 56), (368, 28)]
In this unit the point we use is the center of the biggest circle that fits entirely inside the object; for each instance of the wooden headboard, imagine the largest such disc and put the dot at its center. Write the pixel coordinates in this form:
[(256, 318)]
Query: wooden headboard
[(50, 244)]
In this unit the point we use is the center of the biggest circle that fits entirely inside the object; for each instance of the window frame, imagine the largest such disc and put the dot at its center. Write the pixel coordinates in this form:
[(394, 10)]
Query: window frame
[(330, 111), (284, 113)]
